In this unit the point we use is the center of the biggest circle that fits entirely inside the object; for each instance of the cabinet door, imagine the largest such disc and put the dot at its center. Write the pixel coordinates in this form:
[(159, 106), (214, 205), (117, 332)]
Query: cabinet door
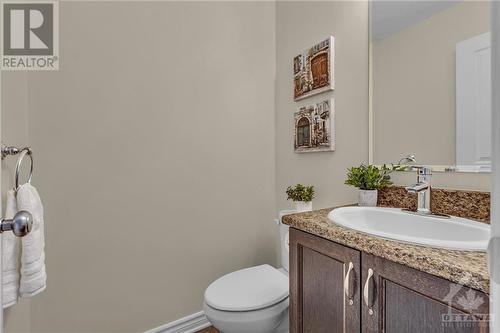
[(324, 285), (399, 299)]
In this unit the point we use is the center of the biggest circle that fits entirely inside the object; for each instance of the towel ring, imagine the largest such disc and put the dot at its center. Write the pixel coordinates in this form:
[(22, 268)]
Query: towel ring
[(22, 153)]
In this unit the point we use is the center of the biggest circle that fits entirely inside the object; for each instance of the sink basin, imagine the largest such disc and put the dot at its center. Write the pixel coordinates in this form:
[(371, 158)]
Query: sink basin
[(454, 233)]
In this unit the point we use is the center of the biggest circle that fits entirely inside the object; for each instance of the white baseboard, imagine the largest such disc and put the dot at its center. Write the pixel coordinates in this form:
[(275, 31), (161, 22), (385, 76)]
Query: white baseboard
[(189, 324)]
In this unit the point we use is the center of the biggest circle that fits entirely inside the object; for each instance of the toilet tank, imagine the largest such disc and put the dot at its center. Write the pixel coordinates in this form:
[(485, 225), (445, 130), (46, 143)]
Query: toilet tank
[(283, 234)]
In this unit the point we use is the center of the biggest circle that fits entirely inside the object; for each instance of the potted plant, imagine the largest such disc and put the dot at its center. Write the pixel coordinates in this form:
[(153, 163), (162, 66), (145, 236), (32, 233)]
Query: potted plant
[(369, 179), (302, 196)]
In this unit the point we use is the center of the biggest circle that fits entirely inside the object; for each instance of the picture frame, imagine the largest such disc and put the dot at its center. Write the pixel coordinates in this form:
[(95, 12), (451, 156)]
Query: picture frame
[(314, 69), (314, 127)]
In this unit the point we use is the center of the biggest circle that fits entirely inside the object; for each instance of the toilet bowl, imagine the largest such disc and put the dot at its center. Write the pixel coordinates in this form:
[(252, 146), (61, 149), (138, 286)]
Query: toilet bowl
[(273, 319), (252, 300)]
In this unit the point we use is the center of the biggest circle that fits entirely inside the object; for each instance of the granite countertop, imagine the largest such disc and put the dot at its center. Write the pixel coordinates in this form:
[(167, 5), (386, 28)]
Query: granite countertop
[(449, 264)]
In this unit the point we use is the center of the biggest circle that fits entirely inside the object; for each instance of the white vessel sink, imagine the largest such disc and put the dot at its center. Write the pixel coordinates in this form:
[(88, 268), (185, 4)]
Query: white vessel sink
[(454, 233)]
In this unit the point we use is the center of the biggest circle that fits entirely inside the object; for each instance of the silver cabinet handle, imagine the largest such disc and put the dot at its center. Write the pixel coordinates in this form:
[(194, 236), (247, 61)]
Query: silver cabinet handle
[(346, 283), (20, 224), (366, 291)]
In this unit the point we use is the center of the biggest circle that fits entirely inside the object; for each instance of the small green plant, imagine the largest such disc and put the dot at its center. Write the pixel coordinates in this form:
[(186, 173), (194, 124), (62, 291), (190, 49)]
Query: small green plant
[(371, 177), (300, 192)]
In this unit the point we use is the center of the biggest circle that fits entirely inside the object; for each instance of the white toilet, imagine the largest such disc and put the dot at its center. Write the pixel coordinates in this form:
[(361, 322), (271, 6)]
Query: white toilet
[(252, 300)]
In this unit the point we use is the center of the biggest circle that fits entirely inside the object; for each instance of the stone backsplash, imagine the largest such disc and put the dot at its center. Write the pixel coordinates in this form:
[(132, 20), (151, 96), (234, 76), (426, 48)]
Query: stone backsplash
[(469, 204)]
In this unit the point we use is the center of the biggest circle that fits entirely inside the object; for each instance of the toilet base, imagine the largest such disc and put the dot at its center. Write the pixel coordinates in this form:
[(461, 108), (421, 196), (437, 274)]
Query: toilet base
[(273, 319), (283, 328)]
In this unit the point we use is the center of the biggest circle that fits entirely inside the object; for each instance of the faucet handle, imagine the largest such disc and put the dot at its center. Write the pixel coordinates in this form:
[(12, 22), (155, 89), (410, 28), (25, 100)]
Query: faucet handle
[(421, 169), (424, 170)]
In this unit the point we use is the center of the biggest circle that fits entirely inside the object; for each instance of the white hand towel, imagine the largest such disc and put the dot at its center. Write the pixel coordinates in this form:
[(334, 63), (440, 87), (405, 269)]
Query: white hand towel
[(33, 275), (10, 256)]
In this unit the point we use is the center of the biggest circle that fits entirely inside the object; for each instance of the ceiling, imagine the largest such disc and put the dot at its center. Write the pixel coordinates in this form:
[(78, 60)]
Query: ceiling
[(389, 17)]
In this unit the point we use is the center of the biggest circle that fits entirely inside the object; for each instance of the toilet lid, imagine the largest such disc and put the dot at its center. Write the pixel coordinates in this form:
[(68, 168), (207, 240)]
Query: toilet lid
[(248, 289)]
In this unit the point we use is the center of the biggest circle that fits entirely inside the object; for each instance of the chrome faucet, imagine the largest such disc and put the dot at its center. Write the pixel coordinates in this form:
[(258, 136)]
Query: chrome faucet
[(423, 190)]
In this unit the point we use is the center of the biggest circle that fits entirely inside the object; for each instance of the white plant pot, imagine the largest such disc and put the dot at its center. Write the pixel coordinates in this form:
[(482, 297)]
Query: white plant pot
[(368, 198), (303, 206)]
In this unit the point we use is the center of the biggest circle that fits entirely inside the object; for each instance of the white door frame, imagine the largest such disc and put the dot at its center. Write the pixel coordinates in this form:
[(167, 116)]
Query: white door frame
[(473, 102), (494, 250), (1, 212)]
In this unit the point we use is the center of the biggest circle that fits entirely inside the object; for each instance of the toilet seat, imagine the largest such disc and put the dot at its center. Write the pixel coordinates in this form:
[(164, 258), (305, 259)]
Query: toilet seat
[(248, 289)]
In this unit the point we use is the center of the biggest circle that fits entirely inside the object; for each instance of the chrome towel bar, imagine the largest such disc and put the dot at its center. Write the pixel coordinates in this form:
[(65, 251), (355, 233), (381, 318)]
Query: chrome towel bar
[(22, 152)]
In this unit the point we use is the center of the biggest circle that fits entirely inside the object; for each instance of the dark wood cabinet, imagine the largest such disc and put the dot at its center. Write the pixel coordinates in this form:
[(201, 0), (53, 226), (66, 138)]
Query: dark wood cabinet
[(402, 299), (334, 288), (323, 297)]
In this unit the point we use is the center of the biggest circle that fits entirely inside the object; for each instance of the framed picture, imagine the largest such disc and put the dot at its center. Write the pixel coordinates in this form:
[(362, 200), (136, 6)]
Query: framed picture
[(313, 70), (315, 127)]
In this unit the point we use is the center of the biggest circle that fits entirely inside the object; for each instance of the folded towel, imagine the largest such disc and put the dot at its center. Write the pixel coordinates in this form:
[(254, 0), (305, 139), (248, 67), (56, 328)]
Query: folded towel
[(33, 276), (10, 256)]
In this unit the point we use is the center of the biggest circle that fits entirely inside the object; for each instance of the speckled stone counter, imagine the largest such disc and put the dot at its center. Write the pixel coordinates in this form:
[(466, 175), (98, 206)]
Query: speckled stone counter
[(448, 264)]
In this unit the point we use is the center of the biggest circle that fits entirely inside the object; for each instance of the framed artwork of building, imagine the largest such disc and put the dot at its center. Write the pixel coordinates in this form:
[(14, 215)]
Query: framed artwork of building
[(313, 70), (315, 127)]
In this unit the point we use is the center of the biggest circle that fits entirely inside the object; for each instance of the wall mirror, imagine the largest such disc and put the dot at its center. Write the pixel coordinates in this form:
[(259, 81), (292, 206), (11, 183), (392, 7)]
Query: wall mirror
[(430, 83)]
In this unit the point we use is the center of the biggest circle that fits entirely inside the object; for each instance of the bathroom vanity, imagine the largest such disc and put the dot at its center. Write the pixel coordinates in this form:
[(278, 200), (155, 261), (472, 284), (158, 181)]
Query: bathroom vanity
[(342, 280), (430, 105)]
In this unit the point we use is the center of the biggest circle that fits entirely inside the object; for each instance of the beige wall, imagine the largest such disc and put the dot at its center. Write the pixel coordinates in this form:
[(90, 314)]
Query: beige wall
[(154, 158), (300, 25), (414, 85)]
